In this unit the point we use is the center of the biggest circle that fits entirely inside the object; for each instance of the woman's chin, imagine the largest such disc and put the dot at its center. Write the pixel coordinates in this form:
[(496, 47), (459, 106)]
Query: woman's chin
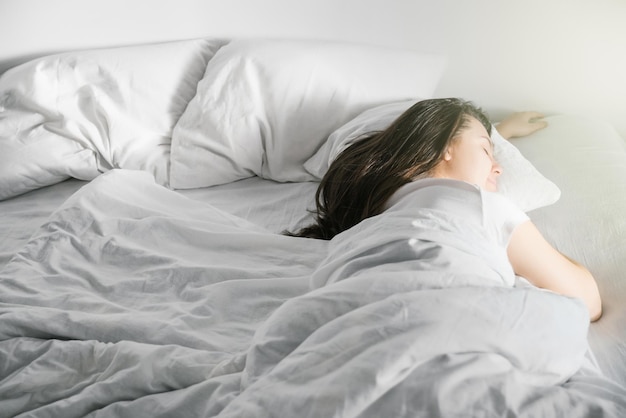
[(491, 187)]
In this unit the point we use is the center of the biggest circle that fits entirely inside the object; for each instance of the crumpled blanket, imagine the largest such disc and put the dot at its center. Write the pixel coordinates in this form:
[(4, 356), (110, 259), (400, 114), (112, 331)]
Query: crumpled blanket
[(135, 301), (402, 345), (405, 326)]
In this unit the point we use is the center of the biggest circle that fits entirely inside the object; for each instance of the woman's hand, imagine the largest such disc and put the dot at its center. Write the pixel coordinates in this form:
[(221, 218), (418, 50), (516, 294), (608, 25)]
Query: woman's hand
[(521, 124)]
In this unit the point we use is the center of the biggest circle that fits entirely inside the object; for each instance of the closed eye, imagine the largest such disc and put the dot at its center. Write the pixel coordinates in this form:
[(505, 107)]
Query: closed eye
[(488, 145)]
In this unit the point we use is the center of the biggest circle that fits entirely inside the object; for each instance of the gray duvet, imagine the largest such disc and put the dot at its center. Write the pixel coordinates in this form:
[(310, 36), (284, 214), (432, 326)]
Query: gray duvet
[(134, 301)]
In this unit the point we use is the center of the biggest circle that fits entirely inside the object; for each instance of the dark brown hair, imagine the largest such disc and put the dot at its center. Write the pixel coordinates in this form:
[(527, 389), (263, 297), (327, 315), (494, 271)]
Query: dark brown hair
[(363, 177)]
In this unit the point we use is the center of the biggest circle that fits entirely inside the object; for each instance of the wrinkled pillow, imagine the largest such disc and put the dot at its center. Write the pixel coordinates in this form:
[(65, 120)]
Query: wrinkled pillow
[(79, 114), (264, 106), (520, 181)]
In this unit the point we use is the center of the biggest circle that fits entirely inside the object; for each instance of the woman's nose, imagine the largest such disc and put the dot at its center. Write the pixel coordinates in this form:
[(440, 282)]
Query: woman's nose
[(496, 168)]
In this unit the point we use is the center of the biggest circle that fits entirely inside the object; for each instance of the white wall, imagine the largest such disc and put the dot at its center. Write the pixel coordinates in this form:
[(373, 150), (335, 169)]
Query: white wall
[(44, 26), (556, 56)]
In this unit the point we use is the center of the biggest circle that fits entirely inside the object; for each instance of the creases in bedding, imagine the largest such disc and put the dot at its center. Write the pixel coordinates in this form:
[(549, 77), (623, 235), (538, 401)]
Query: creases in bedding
[(165, 330)]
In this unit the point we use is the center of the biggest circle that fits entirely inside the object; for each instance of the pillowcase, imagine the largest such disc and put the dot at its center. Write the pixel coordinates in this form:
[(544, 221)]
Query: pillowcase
[(79, 114), (264, 106), (520, 181)]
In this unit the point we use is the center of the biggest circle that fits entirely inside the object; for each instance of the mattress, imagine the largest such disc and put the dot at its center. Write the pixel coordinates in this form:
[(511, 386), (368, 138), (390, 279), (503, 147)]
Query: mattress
[(585, 157)]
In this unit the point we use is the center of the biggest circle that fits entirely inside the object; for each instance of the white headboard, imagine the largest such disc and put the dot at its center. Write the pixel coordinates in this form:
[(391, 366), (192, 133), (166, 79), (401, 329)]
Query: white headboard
[(562, 56)]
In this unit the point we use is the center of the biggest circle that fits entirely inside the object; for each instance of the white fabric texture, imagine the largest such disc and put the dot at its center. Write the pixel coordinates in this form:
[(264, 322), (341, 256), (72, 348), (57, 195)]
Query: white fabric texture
[(520, 181), (407, 321), (146, 298), (271, 205), (445, 201), (79, 114), (156, 304), (586, 157), (264, 107), (430, 225), (22, 215)]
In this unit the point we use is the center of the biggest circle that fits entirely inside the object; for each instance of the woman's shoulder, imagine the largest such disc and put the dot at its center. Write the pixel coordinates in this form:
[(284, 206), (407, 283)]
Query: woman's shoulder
[(501, 215)]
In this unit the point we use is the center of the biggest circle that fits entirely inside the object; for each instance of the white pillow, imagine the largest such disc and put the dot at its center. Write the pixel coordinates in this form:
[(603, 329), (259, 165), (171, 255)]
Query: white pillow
[(520, 181), (264, 107), (78, 114)]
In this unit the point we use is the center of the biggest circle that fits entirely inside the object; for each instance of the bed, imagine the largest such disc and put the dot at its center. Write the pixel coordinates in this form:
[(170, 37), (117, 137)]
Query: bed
[(143, 269)]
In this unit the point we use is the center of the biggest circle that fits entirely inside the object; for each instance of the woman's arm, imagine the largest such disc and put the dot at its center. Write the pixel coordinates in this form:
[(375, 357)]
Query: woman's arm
[(533, 258), (521, 124)]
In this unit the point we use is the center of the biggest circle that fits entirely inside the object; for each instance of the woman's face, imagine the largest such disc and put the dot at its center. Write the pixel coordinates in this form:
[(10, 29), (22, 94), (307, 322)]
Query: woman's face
[(470, 158)]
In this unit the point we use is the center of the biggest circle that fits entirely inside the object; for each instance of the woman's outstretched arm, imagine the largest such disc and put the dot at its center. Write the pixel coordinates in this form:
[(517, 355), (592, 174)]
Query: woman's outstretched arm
[(521, 124), (533, 258)]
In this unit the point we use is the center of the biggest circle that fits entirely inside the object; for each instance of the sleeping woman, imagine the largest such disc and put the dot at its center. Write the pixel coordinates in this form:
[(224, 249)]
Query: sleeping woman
[(438, 156)]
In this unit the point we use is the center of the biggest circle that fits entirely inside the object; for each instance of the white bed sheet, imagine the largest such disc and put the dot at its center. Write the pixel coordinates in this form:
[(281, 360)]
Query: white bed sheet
[(587, 159)]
